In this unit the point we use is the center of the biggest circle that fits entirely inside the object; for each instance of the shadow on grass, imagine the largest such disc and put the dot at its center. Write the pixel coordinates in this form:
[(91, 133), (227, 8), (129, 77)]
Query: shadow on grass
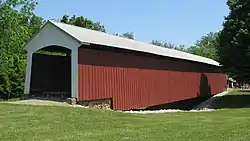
[(232, 101)]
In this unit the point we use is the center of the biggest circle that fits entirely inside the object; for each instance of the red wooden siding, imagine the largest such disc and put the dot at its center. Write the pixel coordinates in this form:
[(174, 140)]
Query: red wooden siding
[(135, 81)]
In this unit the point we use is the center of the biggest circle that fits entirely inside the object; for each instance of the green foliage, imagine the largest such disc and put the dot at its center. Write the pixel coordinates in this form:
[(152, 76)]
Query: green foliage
[(162, 44), (51, 53), (234, 49), (207, 46), (83, 22), (17, 24), (128, 35), (181, 48), (87, 23), (169, 45)]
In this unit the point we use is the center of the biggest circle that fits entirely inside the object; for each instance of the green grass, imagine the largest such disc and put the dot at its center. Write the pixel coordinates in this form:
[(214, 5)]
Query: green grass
[(240, 92), (48, 123)]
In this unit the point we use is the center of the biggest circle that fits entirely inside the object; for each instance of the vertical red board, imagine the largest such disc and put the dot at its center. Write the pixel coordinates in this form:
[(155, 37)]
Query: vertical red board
[(136, 81)]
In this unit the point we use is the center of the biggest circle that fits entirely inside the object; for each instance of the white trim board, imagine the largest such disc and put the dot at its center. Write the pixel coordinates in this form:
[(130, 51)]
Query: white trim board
[(50, 35)]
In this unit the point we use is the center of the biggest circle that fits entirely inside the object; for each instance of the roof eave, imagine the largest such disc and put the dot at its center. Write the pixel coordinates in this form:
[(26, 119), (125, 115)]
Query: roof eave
[(52, 23)]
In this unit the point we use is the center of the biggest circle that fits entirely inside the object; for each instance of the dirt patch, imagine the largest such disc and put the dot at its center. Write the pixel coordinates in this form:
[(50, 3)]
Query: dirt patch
[(39, 102), (70, 102)]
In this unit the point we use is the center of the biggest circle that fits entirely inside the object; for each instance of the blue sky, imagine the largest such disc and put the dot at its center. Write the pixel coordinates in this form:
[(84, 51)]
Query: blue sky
[(175, 21)]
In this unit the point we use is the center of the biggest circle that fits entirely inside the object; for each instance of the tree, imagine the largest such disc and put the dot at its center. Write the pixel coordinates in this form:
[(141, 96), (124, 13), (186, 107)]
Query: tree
[(162, 44), (207, 46), (181, 48), (83, 22), (168, 45), (234, 49), (128, 35), (17, 24)]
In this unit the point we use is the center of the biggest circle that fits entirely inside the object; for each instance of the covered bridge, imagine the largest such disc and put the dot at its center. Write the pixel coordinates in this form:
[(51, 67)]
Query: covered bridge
[(132, 74)]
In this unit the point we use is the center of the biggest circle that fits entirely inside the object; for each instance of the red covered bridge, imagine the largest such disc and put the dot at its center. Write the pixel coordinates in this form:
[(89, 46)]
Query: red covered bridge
[(101, 66)]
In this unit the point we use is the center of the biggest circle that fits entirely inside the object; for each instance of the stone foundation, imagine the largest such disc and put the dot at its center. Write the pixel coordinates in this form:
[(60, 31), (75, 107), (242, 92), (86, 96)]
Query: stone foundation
[(71, 101), (99, 103)]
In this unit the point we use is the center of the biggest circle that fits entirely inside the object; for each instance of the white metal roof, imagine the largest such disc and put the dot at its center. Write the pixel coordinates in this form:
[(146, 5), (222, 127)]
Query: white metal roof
[(84, 35)]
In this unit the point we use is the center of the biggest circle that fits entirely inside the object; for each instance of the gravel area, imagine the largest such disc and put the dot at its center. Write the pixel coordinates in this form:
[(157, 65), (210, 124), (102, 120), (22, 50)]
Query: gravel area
[(167, 111), (205, 106)]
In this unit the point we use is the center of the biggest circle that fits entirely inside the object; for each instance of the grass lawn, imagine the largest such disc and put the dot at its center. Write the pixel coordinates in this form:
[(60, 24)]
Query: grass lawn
[(47, 123)]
